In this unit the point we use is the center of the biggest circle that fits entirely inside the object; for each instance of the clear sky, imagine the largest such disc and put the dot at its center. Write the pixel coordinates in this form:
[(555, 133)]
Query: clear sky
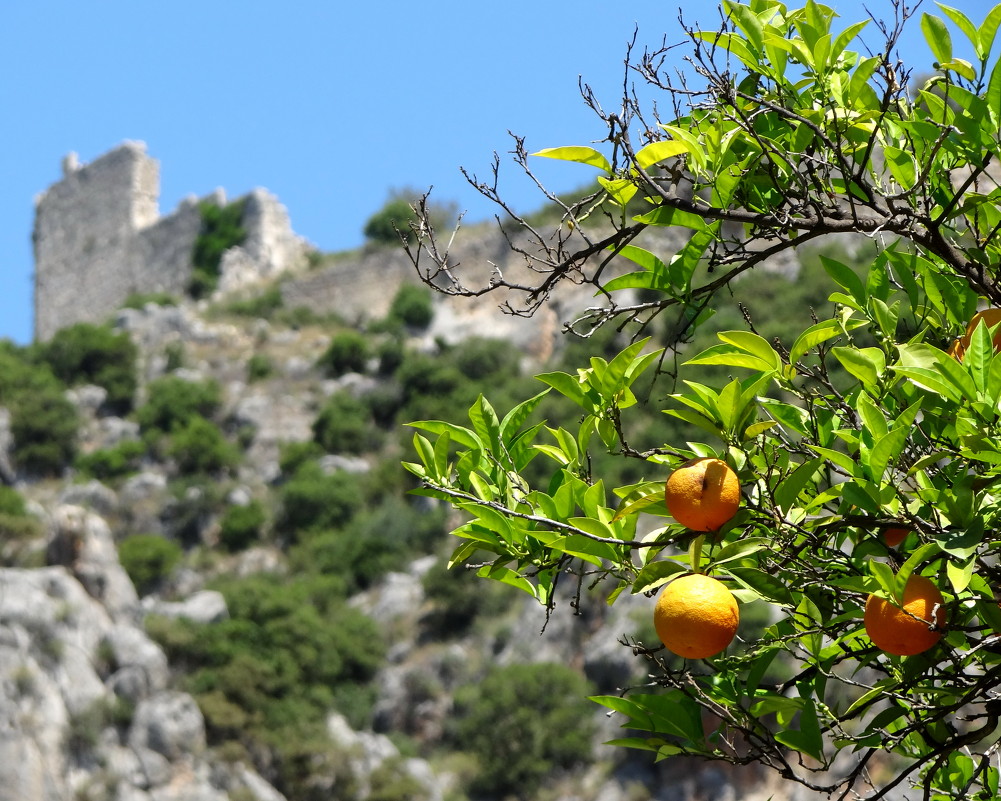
[(329, 104)]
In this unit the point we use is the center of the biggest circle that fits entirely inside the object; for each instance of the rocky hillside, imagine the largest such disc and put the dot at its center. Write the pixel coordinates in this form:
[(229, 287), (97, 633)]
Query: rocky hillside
[(216, 584)]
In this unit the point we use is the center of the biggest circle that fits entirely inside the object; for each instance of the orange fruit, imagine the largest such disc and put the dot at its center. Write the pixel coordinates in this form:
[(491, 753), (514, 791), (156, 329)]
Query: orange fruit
[(909, 629), (991, 318), (894, 536), (696, 616), (702, 494)]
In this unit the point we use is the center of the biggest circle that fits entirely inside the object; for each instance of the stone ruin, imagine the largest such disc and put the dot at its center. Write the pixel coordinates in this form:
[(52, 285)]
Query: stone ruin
[(99, 237)]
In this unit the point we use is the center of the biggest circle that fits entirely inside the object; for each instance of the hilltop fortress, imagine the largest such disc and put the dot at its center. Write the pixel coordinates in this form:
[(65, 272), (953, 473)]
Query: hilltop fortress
[(99, 237)]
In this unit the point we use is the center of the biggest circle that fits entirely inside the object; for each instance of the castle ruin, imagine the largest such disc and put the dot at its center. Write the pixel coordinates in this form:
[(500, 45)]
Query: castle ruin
[(99, 238)]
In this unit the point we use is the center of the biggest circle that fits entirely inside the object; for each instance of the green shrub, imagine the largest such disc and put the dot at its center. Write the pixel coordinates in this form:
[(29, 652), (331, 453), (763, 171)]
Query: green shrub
[(44, 428), (174, 356), (200, 447), (148, 559), (241, 525), (43, 422), (94, 354), (348, 352), (374, 542), (312, 500), (290, 651), (391, 222), (458, 597), (195, 503), (522, 722), (259, 367), (412, 306), (119, 461), (12, 502), (16, 523), (344, 425), (263, 305), (173, 402), (293, 455), (479, 358), (391, 353), (138, 300), (221, 230)]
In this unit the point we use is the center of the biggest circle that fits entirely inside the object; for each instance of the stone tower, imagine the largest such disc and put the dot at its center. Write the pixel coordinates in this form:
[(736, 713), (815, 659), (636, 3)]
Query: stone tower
[(84, 231)]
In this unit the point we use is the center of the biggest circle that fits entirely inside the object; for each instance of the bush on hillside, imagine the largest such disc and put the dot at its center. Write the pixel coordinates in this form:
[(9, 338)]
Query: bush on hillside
[(119, 461), (348, 352), (85, 353), (16, 523), (522, 722), (173, 402), (259, 367), (412, 306), (263, 305), (221, 230), (200, 447), (312, 501), (148, 559), (43, 422), (373, 543), (240, 526), (391, 224), (344, 425), (44, 428)]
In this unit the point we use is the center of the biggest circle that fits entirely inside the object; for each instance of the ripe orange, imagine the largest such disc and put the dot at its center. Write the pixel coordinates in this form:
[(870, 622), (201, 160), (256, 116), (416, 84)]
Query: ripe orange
[(910, 629), (991, 318), (702, 494), (696, 616), (894, 536)]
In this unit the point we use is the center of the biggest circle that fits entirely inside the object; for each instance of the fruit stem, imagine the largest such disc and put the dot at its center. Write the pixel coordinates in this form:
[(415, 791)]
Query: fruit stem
[(695, 553)]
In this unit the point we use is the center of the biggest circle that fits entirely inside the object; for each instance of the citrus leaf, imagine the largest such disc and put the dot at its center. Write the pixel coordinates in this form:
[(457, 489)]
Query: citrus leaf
[(583, 155)]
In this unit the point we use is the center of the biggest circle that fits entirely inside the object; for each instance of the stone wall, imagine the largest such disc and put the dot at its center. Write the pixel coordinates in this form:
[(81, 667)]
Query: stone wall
[(99, 237)]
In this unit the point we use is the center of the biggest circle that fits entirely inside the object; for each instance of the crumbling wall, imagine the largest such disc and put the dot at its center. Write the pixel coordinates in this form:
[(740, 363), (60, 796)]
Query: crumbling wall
[(99, 237)]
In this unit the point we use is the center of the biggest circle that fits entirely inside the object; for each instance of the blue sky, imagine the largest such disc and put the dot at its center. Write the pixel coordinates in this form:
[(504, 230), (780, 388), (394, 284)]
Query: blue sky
[(330, 105)]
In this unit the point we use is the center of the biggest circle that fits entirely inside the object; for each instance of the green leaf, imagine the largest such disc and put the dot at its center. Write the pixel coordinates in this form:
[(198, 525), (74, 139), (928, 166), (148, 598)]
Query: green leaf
[(670, 216), (993, 95), (965, 25), (507, 576), (620, 190), (657, 573), (818, 333), (846, 278), (565, 384), (792, 485), (747, 21), (753, 344), (730, 356), (902, 166), (485, 423), (514, 419), (937, 36), (583, 155), (960, 574), (458, 434), (656, 152), (866, 364), (766, 586), (807, 739), (988, 30)]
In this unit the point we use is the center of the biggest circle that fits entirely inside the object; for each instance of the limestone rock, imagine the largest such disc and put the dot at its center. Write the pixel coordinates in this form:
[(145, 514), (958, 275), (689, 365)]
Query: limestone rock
[(81, 541), (204, 606), (170, 724)]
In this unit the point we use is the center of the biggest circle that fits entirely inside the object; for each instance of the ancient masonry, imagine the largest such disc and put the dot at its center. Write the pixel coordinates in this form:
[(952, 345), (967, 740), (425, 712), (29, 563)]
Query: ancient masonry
[(99, 237)]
